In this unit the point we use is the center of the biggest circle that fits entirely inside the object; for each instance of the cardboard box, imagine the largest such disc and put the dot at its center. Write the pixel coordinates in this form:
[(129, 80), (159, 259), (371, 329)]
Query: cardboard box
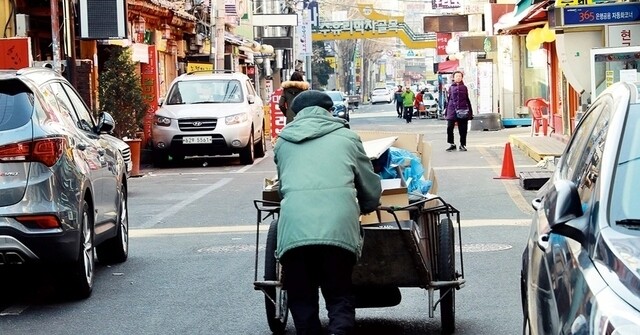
[(412, 142), (270, 190), (394, 193)]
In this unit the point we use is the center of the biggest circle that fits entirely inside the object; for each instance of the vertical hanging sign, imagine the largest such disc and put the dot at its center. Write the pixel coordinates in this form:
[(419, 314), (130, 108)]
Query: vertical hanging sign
[(149, 79), (303, 32), (441, 43), (278, 119)]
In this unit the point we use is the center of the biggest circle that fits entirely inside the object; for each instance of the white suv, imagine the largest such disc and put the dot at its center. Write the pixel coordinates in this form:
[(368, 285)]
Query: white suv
[(209, 113)]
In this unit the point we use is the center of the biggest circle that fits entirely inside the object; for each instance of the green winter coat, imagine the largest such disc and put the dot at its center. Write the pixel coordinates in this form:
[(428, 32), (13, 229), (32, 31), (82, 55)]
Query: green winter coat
[(326, 181), (407, 98)]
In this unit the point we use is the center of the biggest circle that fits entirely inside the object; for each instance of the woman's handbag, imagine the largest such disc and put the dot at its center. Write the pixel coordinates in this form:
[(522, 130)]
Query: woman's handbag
[(462, 113)]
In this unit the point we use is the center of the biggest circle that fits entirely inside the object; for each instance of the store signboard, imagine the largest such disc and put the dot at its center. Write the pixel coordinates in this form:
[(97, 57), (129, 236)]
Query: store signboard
[(149, 81), (15, 53), (600, 14), (441, 43), (278, 119), (624, 35)]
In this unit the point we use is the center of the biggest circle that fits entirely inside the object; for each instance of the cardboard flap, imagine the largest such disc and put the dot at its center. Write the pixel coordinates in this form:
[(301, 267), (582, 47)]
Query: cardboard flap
[(375, 148)]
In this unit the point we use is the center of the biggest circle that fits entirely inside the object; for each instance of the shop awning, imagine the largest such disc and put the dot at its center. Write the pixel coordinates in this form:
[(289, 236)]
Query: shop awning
[(526, 15), (449, 66)]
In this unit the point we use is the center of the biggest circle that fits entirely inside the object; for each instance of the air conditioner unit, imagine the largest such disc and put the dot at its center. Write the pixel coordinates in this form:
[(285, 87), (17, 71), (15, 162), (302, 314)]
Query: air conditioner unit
[(103, 19)]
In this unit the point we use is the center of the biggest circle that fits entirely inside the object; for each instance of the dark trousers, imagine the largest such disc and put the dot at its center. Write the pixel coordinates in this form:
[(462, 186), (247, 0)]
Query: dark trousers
[(462, 130), (399, 108), (329, 268), (408, 113)]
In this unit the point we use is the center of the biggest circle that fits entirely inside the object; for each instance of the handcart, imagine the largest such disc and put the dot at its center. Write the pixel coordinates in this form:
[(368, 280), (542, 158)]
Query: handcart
[(418, 252)]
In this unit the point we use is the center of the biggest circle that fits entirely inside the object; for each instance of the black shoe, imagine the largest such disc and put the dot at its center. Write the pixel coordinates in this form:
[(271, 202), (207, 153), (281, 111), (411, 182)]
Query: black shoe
[(452, 148), (463, 148)]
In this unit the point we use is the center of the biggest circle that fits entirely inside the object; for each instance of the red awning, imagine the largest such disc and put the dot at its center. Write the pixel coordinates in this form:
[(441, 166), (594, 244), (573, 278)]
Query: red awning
[(449, 66)]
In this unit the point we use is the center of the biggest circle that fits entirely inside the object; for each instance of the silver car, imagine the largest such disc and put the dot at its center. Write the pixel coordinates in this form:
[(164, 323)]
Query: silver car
[(63, 186), (207, 114)]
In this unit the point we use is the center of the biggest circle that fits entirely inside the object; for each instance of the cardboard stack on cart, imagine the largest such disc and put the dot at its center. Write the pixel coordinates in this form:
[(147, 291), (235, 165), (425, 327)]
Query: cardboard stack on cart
[(394, 191)]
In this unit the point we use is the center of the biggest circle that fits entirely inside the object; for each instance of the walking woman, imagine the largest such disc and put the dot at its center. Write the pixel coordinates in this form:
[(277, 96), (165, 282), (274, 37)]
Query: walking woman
[(290, 89), (458, 111)]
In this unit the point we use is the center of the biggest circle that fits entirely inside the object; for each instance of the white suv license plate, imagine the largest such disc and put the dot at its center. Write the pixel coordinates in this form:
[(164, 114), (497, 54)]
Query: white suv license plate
[(197, 140)]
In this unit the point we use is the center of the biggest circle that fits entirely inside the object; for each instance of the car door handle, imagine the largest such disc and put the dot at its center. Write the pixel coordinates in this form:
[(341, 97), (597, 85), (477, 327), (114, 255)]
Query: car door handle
[(536, 203), (543, 241), (81, 146)]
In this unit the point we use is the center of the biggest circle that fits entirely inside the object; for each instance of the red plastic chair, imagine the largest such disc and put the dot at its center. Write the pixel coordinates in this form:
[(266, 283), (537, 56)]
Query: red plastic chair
[(538, 108)]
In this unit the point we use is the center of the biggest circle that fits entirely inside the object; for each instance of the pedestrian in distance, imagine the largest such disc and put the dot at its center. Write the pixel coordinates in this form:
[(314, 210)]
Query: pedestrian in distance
[(418, 103), (326, 182), (458, 111), (397, 97), (290, 89), (408, 98)]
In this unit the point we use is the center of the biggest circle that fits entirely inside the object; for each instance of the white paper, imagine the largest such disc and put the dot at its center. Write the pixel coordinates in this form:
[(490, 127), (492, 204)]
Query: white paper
[(629, 75)]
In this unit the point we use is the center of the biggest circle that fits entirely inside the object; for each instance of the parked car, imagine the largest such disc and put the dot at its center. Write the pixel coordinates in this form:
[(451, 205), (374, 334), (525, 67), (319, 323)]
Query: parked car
[(63, 185), (340, 104), (208, 114), (580, 267), (381, 95)]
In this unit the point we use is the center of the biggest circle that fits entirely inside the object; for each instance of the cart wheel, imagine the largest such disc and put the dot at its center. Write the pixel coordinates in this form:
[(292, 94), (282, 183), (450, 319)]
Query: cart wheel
[(446, 272), (277, 325)]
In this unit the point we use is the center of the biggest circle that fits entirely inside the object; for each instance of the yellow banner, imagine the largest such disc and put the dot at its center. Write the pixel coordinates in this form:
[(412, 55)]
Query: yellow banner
[(194, 67)]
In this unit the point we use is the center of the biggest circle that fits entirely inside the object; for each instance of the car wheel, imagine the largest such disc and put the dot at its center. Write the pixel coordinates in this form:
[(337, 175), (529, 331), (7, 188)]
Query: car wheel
[(261, 147), (80, 276), (446, 272), (116, 249), (247, 154), (276, 325)]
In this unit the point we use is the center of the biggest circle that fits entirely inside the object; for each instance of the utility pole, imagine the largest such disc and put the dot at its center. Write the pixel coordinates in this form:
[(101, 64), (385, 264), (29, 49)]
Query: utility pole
[(219, 34), (69, 42), (55, 35)]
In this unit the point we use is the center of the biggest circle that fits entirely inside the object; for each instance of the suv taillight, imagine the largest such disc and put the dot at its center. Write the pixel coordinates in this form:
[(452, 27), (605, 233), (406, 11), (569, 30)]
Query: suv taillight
[(45, 150)]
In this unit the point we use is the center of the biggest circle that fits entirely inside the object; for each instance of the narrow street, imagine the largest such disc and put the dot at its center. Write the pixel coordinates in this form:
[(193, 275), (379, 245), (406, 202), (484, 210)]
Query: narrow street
[(193, 239)]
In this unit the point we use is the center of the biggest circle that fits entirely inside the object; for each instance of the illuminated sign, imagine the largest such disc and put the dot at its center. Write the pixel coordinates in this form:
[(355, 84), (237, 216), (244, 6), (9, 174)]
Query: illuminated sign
[(603, 14)]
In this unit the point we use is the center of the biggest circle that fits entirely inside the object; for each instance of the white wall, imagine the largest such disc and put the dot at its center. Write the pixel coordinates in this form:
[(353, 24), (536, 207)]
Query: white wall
[(573, 50)]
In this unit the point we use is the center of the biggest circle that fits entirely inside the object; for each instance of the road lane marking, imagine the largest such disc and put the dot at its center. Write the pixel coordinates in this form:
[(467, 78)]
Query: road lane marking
[(511, 187), (182, 204), (154, 232)]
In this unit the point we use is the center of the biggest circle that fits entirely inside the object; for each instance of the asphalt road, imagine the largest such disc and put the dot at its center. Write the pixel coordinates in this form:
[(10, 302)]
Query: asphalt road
[(193, 244)]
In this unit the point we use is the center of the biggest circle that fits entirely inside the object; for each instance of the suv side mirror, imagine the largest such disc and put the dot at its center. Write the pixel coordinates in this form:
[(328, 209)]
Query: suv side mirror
[(563, 209), (105, 123), (160, 102), (251, 99)]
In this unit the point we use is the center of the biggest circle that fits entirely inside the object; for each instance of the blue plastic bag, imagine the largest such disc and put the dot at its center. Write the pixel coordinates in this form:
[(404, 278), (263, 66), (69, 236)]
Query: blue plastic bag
[(412, 170)]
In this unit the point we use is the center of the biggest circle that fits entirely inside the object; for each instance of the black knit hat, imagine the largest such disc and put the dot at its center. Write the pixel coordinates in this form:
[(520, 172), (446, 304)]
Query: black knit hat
[(311, 98)]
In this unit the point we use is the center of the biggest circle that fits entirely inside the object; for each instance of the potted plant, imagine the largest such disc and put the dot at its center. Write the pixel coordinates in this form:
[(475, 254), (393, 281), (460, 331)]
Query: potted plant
[(120, 94)]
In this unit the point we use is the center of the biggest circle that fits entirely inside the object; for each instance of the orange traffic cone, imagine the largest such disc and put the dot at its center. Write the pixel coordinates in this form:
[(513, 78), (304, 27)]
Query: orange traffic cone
[(508, 169)]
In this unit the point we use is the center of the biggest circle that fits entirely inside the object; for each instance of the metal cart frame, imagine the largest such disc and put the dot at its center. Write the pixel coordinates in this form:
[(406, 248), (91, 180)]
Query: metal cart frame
[(419, 252)]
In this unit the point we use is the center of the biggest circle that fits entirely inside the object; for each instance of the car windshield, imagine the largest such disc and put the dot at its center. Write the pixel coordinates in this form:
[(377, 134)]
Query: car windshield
[(427, 96), (626, 183), (205, 91), (335, 96)]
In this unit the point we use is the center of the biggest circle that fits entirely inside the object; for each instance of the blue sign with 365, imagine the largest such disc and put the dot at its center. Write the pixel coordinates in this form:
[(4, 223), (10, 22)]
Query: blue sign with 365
[(601, 14)]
